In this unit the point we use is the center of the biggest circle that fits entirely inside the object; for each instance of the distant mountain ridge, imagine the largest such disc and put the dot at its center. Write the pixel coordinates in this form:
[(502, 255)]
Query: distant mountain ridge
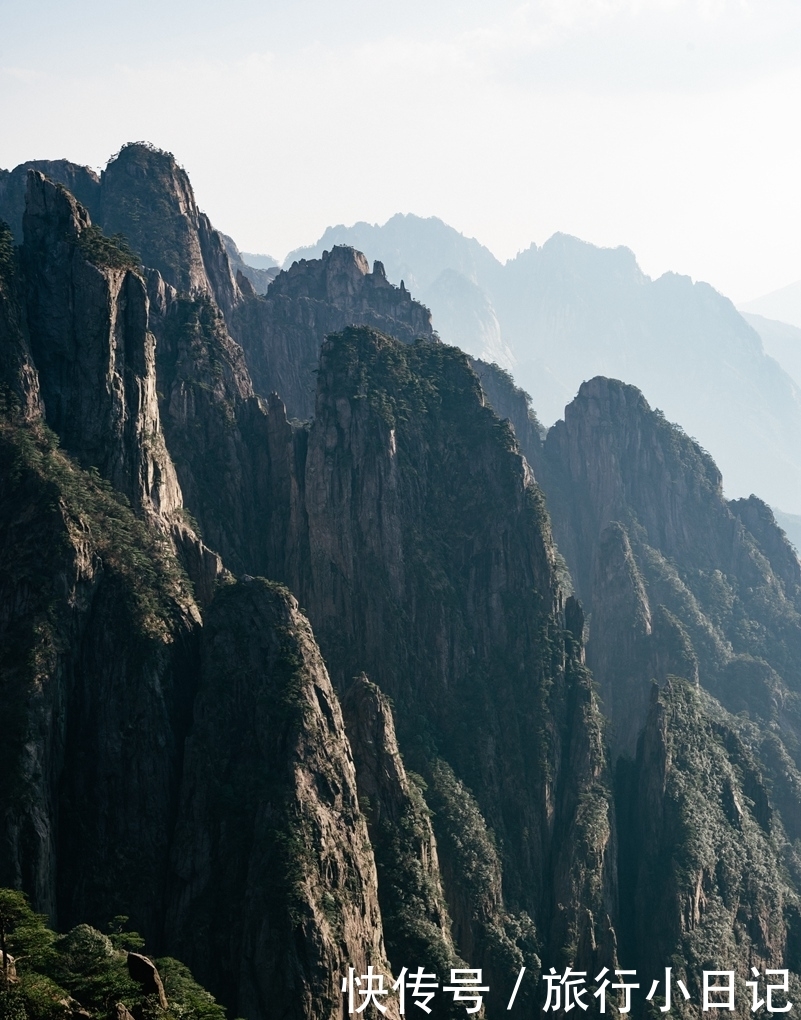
[(783, 304), (561, 313), (781, 341)]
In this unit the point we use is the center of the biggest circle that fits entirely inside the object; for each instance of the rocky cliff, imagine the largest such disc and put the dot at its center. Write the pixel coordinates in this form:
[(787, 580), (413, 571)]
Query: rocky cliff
[(558, 314), (723, 571), (98, 629), (87, 315), (145, 197), (704, 858), (275, 892), (182, 747), (432, 568), (680, 583), (102, 664)]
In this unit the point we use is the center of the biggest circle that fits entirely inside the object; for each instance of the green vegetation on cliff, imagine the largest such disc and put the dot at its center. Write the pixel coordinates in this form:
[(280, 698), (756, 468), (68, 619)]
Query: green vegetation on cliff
[(85, 973), (701, 850), (96, 633), (107, 252)]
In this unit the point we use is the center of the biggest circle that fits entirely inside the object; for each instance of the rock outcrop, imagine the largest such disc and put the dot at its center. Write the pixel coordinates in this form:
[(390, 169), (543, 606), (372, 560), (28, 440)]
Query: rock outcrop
[(81, 182), (681, 584), (415, 916), (98, 631), (19, 381), (146, 196), (146, 974), (700, 852), (87, 314), (509, 401), (281, 333), (432, 569)]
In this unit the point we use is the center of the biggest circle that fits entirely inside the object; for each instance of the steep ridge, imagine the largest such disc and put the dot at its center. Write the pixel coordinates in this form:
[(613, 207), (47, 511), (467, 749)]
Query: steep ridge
[(402, 540), (705, 882), (509, 401), (80, 181), (195, 355), (147, 197), (276, 891), (98, 621), (413, 907), (87, 317), (452, 274), (681, 342), (432, 568), (100, 633), (723, 570), (339, 278), (19, 381)]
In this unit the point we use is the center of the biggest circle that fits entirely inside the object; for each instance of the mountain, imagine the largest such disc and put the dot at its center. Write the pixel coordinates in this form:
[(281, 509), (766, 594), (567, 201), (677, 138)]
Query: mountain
[(783, 304), (559, 314), (281, 332), (260, 261), (678, 582), (414, 250), (149, 714), (309, 660), (780, 340)]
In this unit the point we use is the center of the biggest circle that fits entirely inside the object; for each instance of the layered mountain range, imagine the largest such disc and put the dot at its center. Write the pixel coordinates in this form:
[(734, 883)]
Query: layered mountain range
[(317, 653), (558, 314)]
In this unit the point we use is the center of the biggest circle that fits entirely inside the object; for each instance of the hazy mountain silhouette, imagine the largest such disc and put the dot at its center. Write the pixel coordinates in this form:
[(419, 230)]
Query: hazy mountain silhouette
[(783, 304), (781, 341)]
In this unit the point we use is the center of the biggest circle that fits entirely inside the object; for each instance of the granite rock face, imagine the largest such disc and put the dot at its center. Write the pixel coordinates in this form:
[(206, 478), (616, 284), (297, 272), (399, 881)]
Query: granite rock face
[(701, 596), (144, 195), (509, 401), (147, 197), (104, 668), (417, 926), (18, 376), (613, 459), (95, 355), (432, 569), (700, 851), (81, 182)]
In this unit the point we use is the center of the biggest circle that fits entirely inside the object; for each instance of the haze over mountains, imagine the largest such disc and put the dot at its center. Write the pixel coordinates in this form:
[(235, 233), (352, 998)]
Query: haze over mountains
[(609, 786), (561, 313)]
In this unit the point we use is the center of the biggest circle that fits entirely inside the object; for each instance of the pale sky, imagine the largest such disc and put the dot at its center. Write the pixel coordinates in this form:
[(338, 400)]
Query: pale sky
[(670, 126)]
